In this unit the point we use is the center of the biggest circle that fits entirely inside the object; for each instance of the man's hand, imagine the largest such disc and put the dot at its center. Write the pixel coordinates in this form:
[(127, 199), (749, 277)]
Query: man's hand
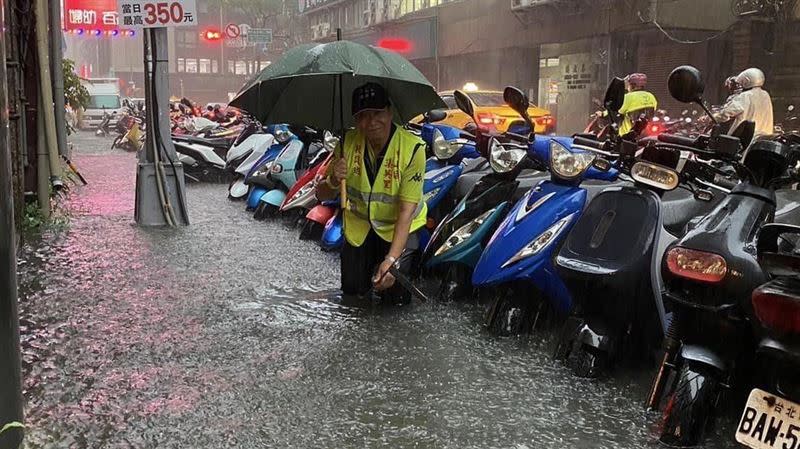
[(383, 279), (339, 171)]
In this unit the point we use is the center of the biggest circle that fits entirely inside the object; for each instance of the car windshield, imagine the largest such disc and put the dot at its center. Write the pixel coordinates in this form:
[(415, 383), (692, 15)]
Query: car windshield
[(487, 98), (103, 101)]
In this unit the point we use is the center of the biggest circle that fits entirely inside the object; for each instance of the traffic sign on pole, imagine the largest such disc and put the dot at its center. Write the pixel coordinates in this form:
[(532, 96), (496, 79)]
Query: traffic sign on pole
[(232, 30), (259, 35)]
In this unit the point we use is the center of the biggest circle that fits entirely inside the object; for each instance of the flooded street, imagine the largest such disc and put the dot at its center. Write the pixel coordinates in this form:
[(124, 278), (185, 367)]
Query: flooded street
[(226, 334)]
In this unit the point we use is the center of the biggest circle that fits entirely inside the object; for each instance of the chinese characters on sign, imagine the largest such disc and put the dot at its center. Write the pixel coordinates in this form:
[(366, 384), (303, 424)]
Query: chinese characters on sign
[(577, 77), (156, 14), (90, 14)]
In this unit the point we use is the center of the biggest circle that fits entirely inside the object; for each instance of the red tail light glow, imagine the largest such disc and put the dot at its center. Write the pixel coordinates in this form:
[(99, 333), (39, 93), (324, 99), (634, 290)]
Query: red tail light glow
[(545, 120), (487, 118), (696, 265), (777, 310)]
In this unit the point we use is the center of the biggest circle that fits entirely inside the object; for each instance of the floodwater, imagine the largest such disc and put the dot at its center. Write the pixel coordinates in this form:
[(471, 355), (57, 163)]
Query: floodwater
[(227, 334)]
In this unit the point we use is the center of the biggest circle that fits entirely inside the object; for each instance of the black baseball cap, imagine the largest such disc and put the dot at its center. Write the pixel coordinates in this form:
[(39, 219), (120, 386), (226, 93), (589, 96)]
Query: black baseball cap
[(370, 97)]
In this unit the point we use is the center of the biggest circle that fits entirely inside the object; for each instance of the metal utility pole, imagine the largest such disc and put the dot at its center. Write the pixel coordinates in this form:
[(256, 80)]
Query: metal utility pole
[(10, 367), (160, 191), (57, 75)]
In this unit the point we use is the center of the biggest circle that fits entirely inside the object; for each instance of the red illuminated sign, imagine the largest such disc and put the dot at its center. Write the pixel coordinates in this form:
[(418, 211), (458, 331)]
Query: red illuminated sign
[(91, 15), (399, 45)]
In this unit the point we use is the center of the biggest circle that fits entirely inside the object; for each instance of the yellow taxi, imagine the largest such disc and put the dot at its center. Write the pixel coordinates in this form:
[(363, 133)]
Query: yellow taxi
[(492, 112)]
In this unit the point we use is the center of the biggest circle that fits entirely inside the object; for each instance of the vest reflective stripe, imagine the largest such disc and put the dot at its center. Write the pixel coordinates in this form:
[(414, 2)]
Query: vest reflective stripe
[(376, 206)]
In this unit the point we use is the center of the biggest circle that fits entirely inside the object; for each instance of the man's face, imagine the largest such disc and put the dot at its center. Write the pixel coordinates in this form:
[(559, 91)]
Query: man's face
[(374, 124)]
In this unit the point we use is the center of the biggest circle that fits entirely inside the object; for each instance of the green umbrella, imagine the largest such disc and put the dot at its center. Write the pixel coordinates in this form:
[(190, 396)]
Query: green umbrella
[(302, 87)]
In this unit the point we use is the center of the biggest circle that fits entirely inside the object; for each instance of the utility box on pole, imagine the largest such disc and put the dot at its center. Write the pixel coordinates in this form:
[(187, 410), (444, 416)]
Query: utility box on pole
[(160, 189)]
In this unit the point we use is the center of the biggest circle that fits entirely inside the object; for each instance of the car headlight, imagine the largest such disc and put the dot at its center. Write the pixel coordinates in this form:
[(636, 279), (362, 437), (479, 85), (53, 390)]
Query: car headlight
[(504, 159), (540, 242), (655, 175), (282, 135), (464, 232), (428, 195), (566, 164), (443, 148)]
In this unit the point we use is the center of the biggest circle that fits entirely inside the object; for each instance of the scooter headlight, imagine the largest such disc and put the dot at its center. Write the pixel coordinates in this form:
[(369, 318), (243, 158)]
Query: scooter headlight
[(265, 170), (464, 232), (443, 148), (330, 141), (655, 175), (566, 164), (282, 135), (540, 242), (504, 159)]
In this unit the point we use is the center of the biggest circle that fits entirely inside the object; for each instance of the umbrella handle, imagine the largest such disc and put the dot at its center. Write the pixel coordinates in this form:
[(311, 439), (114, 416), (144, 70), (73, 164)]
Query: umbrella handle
[(343, 194)]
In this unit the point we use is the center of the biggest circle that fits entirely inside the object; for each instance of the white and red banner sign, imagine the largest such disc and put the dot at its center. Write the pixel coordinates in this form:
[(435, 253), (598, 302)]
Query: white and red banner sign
[(157, 13)]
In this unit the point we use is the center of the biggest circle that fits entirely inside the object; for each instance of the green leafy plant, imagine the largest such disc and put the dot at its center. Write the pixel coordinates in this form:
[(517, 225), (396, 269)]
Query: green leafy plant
[(75, 93)]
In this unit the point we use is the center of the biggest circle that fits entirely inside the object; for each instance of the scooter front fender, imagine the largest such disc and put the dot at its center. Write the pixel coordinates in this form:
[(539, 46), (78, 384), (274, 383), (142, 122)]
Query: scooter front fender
[(254, 197), (703, 355), (274, 197), (538, 211)]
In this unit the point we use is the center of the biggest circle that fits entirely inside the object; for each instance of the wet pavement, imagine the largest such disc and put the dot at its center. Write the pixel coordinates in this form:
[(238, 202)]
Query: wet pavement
[(226, 334)]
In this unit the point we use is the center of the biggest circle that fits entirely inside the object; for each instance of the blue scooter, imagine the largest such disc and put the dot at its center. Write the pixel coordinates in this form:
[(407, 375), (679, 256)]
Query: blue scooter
[(258, 177), (520, 251)]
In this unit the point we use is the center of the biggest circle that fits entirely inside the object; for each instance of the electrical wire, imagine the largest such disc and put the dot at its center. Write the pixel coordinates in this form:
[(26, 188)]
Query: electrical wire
[(684, 41)]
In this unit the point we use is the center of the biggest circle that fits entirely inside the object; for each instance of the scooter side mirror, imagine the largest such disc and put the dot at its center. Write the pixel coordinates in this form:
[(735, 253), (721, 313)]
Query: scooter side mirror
[(686, 84), (434, 115), (615, 95), (464, 103), (518, 101)]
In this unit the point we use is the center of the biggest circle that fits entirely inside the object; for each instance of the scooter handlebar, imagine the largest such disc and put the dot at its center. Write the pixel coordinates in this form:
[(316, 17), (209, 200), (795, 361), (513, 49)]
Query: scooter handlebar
[(680, 140), (587, 142)]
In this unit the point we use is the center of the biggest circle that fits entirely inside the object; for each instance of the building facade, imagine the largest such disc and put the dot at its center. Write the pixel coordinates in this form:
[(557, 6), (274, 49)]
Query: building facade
[(564, 52)]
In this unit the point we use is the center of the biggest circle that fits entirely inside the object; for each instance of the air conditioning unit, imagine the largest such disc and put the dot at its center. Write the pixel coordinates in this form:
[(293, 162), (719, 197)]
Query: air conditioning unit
[(324, 29), (315, 29)]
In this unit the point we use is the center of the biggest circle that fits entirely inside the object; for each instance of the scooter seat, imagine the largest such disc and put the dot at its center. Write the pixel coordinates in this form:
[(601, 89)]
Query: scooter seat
[(679, 206)]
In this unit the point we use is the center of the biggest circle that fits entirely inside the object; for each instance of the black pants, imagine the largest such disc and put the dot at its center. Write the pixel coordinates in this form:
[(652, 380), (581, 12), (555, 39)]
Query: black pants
[(359, 264)]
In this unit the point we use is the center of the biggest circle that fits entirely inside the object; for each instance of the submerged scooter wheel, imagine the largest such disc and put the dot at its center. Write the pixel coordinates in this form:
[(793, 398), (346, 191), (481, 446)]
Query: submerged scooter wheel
[(265, 210), (690, 407), (508, 316), (311, 230), (455, 285), (587, 362)]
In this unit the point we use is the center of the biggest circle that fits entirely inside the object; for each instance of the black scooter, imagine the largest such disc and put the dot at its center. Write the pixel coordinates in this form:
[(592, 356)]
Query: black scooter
[(611, 259), (709, 275), (772, 411)]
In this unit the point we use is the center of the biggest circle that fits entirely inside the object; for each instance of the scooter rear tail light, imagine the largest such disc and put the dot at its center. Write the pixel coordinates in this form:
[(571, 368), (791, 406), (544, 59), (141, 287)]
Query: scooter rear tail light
[(696, 265), (777, 310)]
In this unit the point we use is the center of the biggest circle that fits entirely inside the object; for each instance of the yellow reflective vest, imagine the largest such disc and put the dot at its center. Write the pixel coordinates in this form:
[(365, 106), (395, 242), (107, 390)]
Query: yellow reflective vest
[(400, 176), (635, 101)]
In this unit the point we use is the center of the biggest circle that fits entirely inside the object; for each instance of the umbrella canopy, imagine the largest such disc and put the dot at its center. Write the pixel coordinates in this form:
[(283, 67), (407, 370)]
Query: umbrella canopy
[(302, 87)]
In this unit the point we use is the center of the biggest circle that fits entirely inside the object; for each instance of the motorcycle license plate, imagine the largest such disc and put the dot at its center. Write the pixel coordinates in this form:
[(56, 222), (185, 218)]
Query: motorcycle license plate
[(769, 421)]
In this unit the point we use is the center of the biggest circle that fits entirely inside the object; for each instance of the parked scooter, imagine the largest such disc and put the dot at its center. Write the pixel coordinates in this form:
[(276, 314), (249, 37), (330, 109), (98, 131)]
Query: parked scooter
[(519, 254), (771, 415), (301, 198), (247, 151), (709, 275), (288, 167), (616, 248), (104, 128)]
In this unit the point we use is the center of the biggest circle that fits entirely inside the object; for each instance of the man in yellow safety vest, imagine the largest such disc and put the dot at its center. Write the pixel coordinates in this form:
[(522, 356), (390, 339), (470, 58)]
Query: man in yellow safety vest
[(383, 167)]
